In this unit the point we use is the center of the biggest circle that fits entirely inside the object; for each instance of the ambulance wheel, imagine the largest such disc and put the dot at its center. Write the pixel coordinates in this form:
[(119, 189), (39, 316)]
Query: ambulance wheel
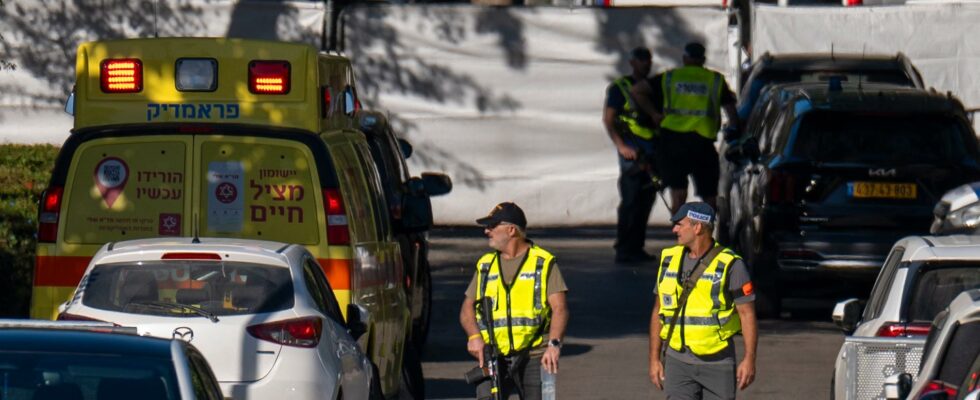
[(420, 325), (413, 381)]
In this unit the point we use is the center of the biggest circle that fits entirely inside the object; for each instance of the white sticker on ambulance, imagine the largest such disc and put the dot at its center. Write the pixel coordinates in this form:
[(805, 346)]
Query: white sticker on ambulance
[(225, 202)]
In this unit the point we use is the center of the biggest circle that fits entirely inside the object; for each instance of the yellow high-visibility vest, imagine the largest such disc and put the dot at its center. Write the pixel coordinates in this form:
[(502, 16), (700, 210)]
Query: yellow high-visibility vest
[(709, 318), (631, 115), (520, 312), (692, 101)]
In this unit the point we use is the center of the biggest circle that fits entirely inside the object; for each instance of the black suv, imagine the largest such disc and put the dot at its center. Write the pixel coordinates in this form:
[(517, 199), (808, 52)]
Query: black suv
[(404, 192), (829, 175), (786, 68)]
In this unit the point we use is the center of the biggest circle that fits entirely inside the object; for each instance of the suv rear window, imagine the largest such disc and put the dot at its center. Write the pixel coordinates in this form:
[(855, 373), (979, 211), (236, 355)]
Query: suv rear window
[(834, 136), (935, 287), (163, 287)]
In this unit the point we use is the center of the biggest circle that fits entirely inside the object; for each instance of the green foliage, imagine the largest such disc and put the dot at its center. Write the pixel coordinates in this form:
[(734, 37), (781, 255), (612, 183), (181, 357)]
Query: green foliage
[(24, 173)]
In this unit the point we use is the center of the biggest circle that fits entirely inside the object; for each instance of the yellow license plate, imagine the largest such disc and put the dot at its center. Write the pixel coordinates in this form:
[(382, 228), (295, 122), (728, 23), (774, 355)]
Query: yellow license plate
[(882, 190)]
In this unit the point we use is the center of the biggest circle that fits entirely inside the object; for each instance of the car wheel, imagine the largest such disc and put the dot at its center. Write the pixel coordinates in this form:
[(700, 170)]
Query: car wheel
[(420, 325), (412, 382)]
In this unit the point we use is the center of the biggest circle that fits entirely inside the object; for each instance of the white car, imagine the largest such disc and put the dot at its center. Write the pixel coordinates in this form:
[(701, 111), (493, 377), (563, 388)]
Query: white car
[(920, 277), (949, 365), (262, 313)]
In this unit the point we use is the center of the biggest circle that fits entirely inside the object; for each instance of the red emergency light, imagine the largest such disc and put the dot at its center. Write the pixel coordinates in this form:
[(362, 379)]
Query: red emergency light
[(268, 77), (121, 75)]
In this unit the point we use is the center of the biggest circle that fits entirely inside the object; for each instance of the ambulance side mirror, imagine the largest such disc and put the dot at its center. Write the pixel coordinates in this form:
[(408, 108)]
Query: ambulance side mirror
[(405, 147), (70, 103), (436, 184)]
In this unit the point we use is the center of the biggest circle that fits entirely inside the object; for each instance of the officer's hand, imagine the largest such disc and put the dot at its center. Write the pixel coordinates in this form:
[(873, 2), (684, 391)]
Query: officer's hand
[(475, 347), (657, 373), (627, 152), (745, 374), (550, 359)]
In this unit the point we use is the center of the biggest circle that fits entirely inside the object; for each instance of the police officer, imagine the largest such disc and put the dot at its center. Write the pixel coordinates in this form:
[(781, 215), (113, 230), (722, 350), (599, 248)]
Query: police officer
[(703, 297), (631, 131), (685, 103), (529, 311)]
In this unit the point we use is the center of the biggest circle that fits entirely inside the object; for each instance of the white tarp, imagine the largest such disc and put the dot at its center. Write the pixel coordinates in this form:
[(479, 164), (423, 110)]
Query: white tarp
[(940, 39), (508, 101), (41, 37)]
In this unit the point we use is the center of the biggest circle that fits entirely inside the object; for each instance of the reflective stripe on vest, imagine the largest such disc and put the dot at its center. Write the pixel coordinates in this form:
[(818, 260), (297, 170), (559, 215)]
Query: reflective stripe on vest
[(630, 115), (692, 100), (520, 312), (709, 318)]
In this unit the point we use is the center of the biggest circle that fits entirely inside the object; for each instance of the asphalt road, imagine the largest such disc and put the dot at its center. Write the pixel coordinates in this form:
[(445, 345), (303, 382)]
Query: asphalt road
[(605, 352)]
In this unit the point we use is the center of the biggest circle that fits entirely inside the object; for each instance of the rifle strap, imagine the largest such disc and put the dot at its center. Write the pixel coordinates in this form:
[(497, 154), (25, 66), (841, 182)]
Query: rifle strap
[(688, 287)]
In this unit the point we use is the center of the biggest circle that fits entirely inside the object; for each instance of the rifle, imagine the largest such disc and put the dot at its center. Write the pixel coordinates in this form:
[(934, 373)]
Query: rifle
[(491, 356)]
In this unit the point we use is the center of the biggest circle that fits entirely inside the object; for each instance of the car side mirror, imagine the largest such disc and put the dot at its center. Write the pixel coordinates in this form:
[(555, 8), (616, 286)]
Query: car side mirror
[(357, 320), (405, 147), (846, 315), (898, 386), (436, 184)]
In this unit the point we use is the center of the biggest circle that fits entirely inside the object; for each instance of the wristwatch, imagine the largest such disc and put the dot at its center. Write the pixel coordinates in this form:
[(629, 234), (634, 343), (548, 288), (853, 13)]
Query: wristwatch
[(554, 343)]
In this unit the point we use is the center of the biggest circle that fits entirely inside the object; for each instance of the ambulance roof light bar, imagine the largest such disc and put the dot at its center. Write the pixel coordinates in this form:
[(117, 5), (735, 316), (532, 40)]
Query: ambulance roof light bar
[(268, 77), (121, 75)]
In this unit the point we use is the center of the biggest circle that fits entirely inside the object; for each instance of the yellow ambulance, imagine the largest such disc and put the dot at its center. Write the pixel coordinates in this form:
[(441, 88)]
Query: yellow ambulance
[(212, 137)]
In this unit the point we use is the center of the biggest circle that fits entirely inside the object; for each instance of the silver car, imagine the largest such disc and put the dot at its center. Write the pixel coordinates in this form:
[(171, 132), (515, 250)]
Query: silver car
[(920, 277), (951, 356)]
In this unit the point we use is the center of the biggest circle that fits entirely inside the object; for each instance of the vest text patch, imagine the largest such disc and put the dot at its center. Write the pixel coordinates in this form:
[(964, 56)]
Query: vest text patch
[(699, 89)]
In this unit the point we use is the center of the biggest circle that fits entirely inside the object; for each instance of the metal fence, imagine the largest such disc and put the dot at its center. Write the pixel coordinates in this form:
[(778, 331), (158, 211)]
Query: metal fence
[(870, 360)]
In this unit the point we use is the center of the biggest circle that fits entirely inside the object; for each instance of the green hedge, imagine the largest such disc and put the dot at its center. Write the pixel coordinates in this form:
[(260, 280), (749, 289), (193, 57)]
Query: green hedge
[(24, 173)]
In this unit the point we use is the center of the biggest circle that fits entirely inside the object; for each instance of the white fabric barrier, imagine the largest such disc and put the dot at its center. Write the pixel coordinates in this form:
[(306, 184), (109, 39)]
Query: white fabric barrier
[(508, 101), (940, 39)]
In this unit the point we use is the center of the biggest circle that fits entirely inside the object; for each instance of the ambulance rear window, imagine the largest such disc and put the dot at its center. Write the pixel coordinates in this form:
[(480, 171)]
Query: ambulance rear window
[(163, 288)]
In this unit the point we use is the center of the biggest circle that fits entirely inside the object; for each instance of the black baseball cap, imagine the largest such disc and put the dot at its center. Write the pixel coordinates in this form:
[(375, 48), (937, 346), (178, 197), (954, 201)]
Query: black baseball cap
[(504, 212), (694, 50), (640, 54)]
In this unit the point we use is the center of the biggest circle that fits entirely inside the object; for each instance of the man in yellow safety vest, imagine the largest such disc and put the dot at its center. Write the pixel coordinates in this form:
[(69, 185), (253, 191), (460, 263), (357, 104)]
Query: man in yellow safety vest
[(529, 312), (685, 103), (703, 297), (633, 134)]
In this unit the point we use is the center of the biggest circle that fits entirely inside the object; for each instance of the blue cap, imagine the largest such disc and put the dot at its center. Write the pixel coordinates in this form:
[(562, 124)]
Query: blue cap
[(698, 211)]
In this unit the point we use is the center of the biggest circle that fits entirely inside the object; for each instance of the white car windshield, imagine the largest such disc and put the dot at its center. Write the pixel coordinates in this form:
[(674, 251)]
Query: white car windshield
[(188, 288)]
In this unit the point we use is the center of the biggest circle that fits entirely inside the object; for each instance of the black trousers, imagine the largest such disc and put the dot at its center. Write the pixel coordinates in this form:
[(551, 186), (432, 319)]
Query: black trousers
[(637, 197), (520, 373)]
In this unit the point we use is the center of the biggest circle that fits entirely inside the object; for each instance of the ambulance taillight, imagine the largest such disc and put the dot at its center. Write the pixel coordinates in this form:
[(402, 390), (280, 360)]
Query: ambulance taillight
[(337, 230), (268, 77), (49, 214), (121, 75)]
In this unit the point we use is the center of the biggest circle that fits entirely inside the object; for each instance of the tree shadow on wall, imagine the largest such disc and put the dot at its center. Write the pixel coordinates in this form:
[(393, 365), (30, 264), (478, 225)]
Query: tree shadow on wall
[(391, 63), (619, 33), (41, 38), (386, 64)]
